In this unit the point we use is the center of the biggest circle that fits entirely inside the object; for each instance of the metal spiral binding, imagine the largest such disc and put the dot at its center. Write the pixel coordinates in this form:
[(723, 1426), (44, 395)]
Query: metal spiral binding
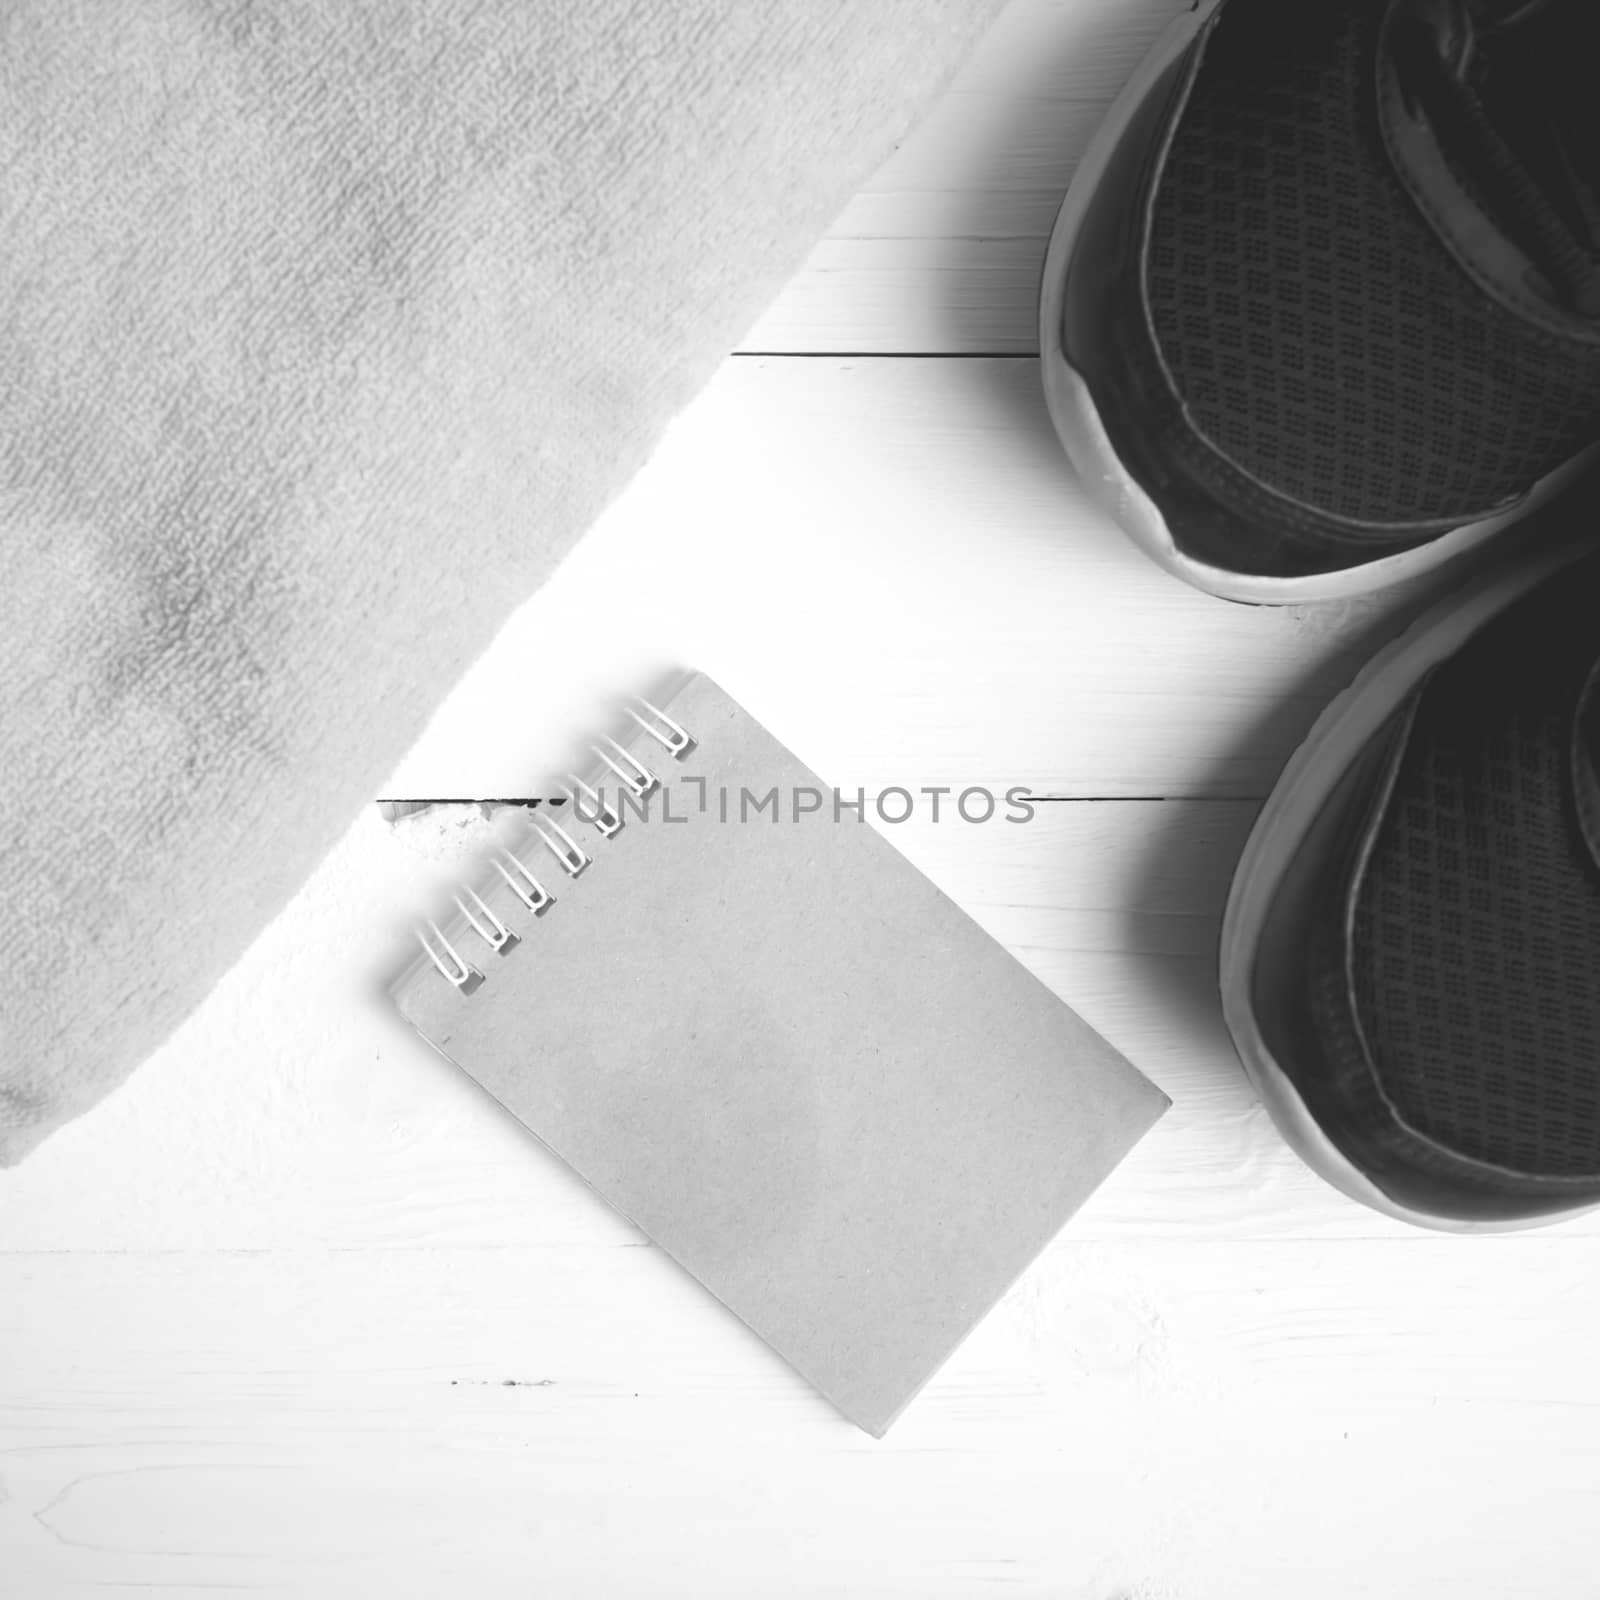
[(640, 781)]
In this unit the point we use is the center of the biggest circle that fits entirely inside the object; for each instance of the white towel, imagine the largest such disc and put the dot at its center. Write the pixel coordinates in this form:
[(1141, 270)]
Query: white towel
[(325, 328)]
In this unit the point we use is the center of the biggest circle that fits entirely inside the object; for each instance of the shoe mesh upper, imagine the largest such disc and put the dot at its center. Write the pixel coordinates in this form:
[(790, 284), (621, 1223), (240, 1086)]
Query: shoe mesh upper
[(1315, 328), (1475, 935)]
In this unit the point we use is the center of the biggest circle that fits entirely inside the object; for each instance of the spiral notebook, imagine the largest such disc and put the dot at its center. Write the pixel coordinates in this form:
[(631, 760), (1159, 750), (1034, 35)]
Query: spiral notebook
[(757, 1031)]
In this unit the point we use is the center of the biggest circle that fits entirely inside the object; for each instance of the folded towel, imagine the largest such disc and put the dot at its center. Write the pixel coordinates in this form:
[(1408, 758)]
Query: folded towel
[(325, 328)]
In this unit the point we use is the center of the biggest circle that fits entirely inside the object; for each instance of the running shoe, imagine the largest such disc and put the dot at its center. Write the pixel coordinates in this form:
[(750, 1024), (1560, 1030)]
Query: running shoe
[(1410, 960), (1321, 310)]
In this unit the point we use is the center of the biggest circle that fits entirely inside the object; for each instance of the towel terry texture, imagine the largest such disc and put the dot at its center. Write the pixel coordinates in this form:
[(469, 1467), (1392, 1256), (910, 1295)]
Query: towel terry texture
[(327, 328)]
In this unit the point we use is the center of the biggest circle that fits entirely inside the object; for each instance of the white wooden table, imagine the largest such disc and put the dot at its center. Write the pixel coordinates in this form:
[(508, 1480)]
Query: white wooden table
[(299, 1312)]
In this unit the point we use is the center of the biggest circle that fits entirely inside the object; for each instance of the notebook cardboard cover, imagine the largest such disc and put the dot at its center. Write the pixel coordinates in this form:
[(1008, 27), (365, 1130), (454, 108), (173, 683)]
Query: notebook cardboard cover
[(797, 1066)]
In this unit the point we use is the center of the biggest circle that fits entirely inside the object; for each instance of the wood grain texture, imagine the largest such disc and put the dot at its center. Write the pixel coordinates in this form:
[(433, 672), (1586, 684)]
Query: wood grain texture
[(1156, 1418), (891, 564)]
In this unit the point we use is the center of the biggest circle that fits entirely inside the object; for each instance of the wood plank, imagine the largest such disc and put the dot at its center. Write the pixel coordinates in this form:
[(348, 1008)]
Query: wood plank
[(941, 250), (891, 563), (295, 1111), (1151, 1419)]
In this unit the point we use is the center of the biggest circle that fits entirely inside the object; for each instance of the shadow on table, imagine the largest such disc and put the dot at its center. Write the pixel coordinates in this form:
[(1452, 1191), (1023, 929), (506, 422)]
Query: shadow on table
[(1045, 78), (1190, 987)]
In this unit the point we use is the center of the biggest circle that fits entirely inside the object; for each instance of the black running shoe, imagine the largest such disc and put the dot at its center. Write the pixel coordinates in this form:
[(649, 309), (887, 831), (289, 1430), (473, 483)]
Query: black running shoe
[(1411, 950), (1322, 308)]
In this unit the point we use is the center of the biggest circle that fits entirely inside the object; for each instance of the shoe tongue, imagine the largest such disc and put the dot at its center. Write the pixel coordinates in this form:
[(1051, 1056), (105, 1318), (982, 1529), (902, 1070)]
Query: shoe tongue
[(1534, 67), (1534, 71), (1507, 92)]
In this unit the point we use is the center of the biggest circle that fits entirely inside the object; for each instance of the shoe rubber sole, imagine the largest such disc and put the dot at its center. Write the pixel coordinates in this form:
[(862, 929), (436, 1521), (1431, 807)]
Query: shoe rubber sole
[(1078, 422), (1336, 740)]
